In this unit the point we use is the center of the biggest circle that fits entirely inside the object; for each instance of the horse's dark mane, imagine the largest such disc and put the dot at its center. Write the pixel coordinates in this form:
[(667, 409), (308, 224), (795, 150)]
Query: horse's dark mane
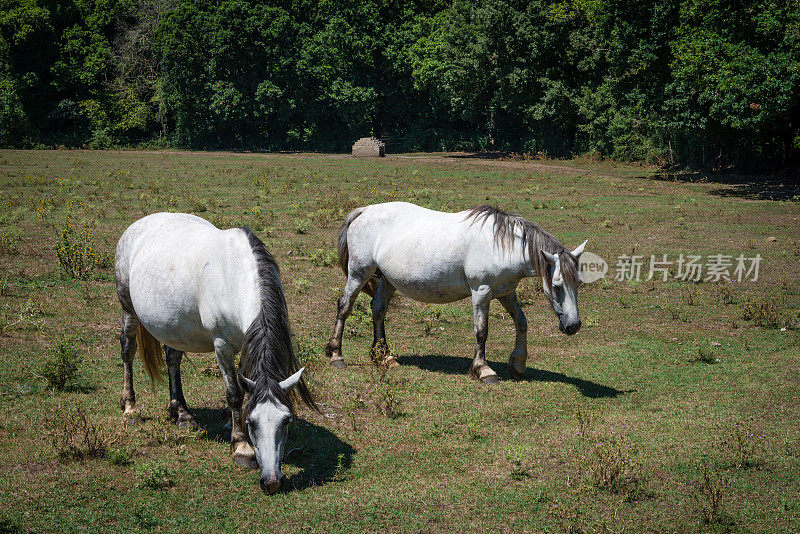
[(267, 352), (534, 240)]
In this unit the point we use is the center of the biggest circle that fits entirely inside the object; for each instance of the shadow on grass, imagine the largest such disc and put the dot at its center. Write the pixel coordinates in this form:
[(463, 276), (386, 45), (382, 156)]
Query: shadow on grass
[(460, 365), (321, 455), (769, 187), (318, 452)]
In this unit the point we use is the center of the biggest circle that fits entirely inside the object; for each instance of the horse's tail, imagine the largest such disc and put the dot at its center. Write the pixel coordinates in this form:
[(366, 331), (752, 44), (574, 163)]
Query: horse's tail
[(150, 352), (268, 355), (344, 253)]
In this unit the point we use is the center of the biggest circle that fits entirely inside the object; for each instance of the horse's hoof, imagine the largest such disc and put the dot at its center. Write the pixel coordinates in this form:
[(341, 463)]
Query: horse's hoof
[(391, 362), (490, 379), (130, 410), (187, 422), (516, 375), (338, 363)]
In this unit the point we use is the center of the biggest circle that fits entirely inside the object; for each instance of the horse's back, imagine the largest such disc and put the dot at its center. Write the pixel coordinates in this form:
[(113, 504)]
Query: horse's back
[(187, 279), (422, 252)]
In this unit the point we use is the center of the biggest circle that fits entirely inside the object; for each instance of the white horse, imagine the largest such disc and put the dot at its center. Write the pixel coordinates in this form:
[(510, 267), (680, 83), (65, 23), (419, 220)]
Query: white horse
[(437, 257), (184, 283)]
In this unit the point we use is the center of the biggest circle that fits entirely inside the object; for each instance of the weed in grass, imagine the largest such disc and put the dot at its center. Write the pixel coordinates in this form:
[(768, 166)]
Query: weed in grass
[(76, 252), (762, 312), (300, 225), (360, 320), (3, 288), (73, 437), (744, 445), (708, 491), (27, 316), (305, 352), (724, 294), (704, 355), (520, 470), (429, 318), (155, 475), (688, 294), (587, 420), (301, 284), (387, 400), (569, 518), (324, 258), (118, 457), (610, 465), (9, 240), (61, 364)]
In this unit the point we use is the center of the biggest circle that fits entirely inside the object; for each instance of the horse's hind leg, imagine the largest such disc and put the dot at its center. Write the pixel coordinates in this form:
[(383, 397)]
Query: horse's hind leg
[(127, 339), (516, 363), (355, 281), (177, 403), (379, 305)]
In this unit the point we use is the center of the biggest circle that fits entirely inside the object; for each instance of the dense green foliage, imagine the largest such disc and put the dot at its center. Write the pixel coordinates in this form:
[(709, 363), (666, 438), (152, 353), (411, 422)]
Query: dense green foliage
[(696, 82)]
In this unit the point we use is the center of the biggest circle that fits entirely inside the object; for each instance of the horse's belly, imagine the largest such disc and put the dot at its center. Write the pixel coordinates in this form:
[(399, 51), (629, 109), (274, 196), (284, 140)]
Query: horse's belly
[(437, 288), (171, 313)]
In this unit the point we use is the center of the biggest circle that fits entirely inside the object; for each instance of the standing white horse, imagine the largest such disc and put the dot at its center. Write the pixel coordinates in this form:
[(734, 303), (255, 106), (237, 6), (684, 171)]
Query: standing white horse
[(431, 256), (184, 283)]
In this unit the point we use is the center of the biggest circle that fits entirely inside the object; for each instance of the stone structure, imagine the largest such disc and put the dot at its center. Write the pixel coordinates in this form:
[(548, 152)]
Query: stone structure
[(369, 147)]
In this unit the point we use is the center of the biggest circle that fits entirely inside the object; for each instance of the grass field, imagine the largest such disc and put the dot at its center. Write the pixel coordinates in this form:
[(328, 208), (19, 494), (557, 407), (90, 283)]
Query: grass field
[(675, 408)]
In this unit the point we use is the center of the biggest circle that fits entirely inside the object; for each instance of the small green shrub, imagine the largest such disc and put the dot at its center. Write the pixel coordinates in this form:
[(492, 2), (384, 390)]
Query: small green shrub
[(301, 226), (301, 284), (705, 355), (61, 363), (155, 475), (360, 320), (76, 252), (9, 240), (324, 258), (118, 457)]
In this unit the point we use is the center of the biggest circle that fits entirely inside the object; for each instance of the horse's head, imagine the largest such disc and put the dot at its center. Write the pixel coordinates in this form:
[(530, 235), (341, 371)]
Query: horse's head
[(267, 429), (563, 291)]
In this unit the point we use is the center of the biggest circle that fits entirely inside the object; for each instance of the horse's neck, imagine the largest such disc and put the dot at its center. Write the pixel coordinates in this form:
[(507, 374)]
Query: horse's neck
[(516, 259)]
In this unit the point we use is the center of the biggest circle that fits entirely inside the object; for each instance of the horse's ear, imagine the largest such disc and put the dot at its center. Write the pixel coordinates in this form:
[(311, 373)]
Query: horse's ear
[(292, 381), (578, 251), (247, 385), (552, 258)]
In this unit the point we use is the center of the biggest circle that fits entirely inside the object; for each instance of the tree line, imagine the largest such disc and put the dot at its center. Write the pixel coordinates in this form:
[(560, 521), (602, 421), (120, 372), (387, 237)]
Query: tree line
[(703, 83)]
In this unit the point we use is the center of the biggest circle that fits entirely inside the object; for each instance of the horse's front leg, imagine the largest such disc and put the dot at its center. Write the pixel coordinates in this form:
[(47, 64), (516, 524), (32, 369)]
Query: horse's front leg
[(480, 370), (177, 403), (516, 363), (241, 450), (379, 305), (355, 281)]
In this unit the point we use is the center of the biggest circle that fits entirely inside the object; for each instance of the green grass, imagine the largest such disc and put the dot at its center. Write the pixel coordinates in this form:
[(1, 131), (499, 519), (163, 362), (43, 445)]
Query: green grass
[(629, 393)]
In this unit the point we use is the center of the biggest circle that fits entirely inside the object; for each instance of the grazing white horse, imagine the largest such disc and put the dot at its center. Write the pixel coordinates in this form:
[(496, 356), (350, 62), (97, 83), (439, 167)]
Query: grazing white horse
[(195, 288), (437, 257)]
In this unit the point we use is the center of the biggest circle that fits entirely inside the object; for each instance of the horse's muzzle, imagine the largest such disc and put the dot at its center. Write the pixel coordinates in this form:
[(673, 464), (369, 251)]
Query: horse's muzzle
[(568, 329), (271, 486)]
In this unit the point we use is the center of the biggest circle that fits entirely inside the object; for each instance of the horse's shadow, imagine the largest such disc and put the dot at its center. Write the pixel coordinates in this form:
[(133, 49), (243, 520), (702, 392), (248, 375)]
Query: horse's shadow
[(319, 453), (460, 365)]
